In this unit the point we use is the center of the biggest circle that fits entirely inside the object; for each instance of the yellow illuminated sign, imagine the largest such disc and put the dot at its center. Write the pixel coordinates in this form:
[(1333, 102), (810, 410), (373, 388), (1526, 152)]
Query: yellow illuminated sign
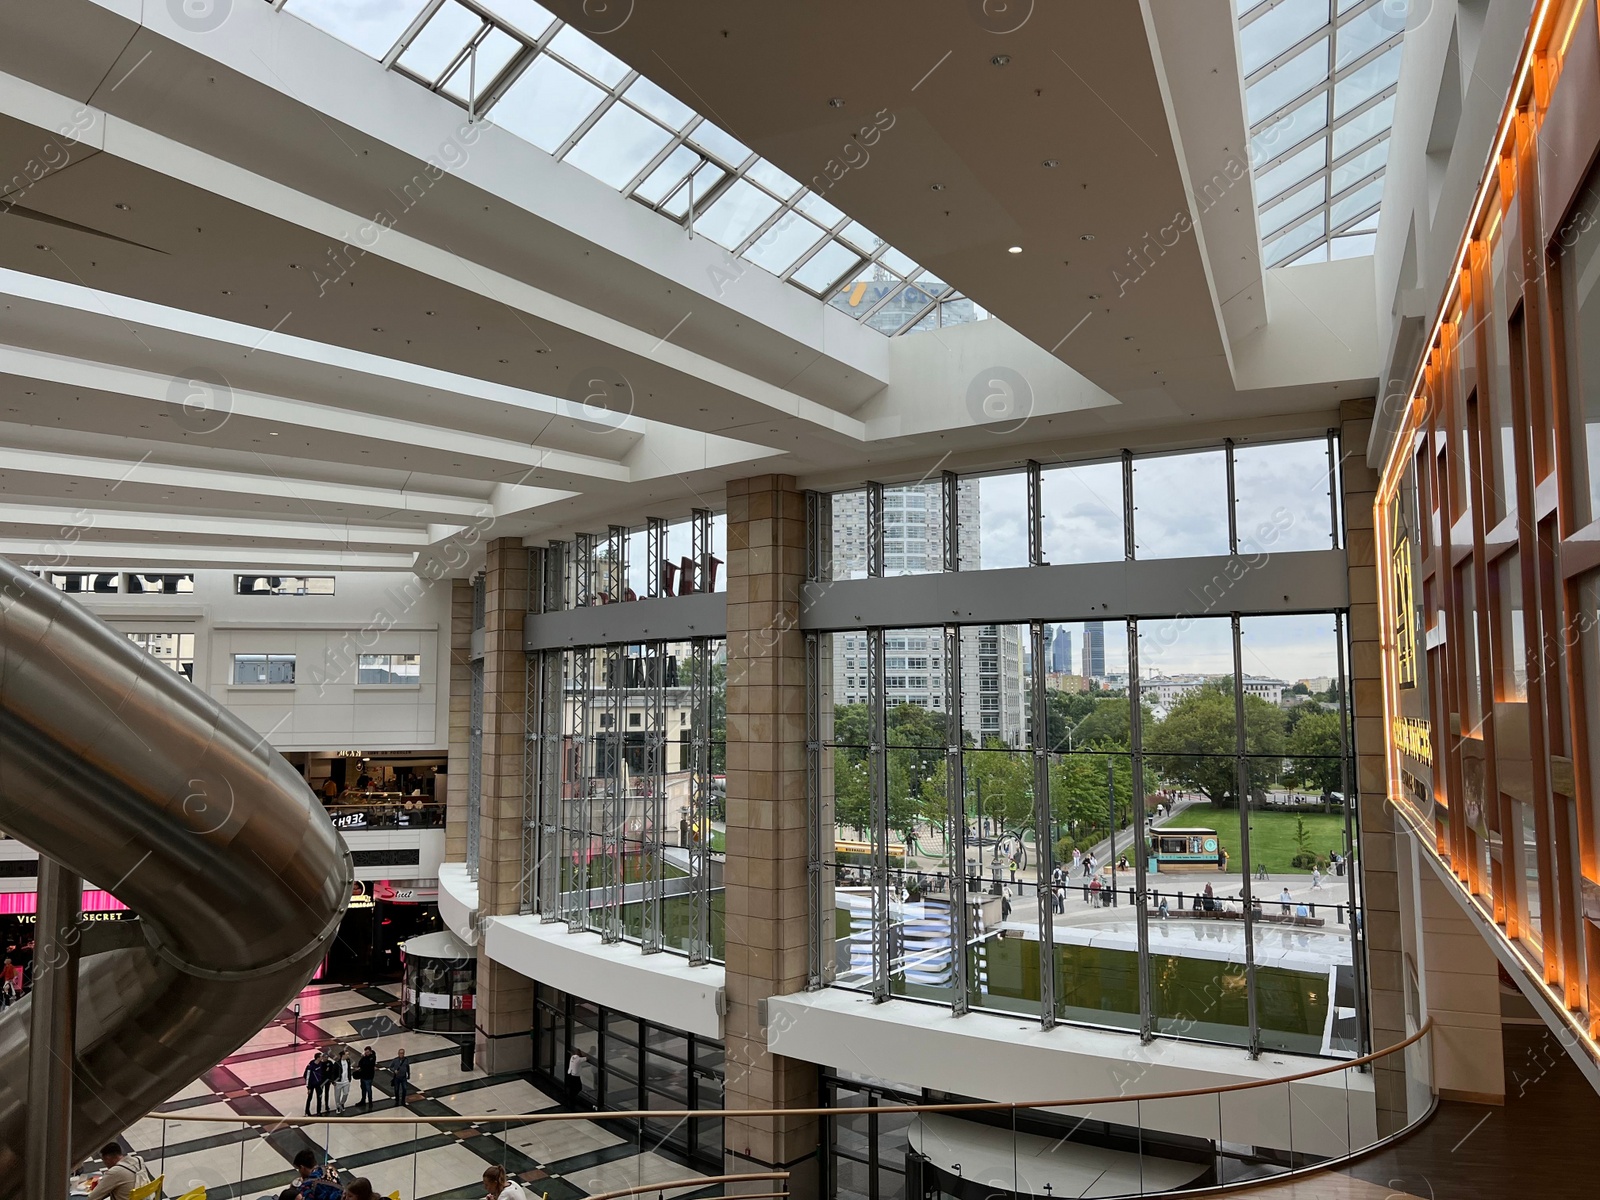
[(1400, 580), (1413, 737)]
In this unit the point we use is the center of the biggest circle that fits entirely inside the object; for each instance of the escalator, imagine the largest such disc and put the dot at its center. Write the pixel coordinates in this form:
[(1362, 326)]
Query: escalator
[(127, 774)]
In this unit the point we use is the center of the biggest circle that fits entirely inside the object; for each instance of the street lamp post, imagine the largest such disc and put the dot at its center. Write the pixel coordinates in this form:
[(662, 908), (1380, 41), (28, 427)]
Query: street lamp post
[(1111, 801)]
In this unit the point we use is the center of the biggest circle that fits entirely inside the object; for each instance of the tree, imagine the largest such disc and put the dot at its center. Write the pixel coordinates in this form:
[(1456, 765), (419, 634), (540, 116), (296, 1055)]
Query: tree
[(1078, 799), (1194, 747), (1000, 784), (852, 797), (1300, 689), (1314, 750)]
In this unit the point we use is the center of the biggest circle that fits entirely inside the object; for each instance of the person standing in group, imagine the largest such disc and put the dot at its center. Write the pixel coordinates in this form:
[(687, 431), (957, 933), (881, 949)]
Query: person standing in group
[(341, 1080), (330, 1069), (400, 1078), (575, 1078), (366, 1070), (313, 1078)]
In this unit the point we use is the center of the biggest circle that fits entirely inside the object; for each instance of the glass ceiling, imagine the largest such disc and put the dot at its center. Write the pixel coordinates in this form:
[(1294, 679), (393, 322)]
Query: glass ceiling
[(513, 63), (1320, 78)]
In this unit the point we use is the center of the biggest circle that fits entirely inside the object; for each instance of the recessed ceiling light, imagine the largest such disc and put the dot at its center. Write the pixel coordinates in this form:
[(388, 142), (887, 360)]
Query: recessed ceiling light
[(1094, 295), (1086, 237), (1013, 249), (1051, 162), (40, 246), (936, 187), (377, 329), (122, 207), (272, 433), (1000, 60)]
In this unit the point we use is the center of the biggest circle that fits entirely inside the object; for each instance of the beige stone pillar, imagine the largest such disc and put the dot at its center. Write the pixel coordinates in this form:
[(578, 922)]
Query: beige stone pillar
[(1461, 992), (1380, 886), (504, 998), (460, 720), (767, 919)]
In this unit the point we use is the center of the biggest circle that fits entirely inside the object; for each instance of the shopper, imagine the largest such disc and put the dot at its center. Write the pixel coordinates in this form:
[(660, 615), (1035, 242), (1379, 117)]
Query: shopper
[(400, 1078), (330, 1070), (500, 1187), (313, 1078), (123, 1172), (366, 1069), (311, 1181), (359, 1189), (341, 1080), (575, 1078)]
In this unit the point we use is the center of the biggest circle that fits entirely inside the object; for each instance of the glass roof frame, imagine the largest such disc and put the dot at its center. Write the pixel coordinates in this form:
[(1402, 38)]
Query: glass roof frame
[(1375, 33), (846, 260)]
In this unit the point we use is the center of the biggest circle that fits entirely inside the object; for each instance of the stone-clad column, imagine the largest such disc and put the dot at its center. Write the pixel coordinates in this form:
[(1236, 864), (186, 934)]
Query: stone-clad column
[(460, 720), (767, 922), (1380, 886), (504, 998)]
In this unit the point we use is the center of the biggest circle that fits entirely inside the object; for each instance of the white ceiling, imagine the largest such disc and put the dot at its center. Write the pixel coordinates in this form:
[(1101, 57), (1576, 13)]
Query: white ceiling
[(211, 346)]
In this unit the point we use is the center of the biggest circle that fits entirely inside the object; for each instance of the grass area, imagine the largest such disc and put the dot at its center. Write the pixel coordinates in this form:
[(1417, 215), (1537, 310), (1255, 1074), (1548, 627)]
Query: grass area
[(719, 842), (1272, 836)]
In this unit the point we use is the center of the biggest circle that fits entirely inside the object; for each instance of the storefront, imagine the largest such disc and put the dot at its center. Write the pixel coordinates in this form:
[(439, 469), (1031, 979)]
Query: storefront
[(380, 919), (631, 1064), (438, 983)]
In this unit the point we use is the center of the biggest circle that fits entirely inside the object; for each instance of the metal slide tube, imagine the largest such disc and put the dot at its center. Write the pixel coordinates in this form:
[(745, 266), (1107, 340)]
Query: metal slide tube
[(125, 773)]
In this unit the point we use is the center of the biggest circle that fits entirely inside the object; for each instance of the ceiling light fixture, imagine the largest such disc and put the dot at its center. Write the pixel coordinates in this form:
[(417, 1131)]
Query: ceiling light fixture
[(1000, 60), (1014, 250), (122, 207), (1051, 162), (1086, 237), (836, 102), (936, 187)]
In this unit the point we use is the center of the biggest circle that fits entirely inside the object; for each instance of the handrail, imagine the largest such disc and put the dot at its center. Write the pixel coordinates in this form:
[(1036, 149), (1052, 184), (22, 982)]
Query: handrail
[(697, 1181), (712, 1113)]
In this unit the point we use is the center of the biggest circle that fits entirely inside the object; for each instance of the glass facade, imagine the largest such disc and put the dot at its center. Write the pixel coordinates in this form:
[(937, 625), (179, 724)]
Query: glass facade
[(629, 1065), (1141, 823)]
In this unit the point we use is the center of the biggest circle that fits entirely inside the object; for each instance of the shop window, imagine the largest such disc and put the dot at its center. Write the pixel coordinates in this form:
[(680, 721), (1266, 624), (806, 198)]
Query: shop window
[(252, 669)]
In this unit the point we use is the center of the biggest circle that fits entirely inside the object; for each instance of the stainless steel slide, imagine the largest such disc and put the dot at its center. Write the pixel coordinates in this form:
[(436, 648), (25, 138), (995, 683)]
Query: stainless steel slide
[(115, 766)]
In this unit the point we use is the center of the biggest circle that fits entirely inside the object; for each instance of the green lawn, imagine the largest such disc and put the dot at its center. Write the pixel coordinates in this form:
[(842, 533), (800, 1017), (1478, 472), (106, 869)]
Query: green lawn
[(1272, 836)]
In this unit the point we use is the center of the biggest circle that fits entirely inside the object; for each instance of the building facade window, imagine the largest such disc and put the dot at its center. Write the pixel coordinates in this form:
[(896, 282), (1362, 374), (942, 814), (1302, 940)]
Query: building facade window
[(253, 669), (401, 670), (174, 650), (283, 585)]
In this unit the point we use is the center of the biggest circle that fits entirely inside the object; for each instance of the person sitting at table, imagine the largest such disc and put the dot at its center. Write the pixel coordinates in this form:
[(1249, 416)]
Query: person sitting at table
[(123, 1172)]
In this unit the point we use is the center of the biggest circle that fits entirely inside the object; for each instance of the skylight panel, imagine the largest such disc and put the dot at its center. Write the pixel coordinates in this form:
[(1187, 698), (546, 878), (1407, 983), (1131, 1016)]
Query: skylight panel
[(1279, 29), (440, 41), (515, 64), (822, 272), (370, 28), (618, 146), (1320, 78), (781, 246), (1288, 82), (736, 214), (546, 104)]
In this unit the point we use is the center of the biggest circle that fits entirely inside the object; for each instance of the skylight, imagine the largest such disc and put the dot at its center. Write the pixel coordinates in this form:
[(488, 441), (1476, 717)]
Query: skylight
[(513, 63), (1320, 79)]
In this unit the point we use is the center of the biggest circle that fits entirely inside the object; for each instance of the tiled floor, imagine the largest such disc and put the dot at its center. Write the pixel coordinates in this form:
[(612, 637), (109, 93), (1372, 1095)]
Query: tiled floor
[(422, 1160)]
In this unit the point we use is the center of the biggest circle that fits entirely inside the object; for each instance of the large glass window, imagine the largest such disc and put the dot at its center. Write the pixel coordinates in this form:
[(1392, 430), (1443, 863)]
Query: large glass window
[(1180, 505), (398, 670), (996, 508), (1283, 497), (1082, 513)]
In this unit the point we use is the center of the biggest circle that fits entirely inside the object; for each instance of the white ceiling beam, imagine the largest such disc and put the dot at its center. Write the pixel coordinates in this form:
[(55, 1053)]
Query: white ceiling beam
[(73, 524)]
